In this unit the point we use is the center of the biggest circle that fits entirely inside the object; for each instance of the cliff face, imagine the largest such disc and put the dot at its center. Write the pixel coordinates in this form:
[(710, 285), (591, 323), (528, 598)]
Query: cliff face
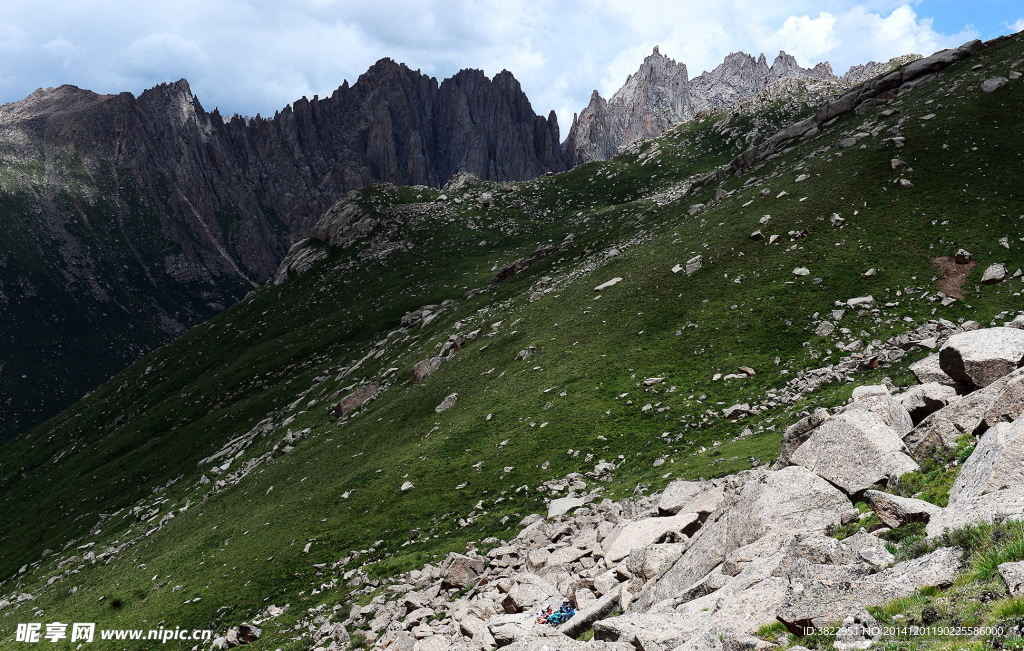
[(661, 95), (131, 219)]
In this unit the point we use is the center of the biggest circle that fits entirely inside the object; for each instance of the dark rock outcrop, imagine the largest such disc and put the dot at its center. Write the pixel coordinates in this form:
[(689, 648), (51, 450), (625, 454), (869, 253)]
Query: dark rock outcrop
[(129, 219)]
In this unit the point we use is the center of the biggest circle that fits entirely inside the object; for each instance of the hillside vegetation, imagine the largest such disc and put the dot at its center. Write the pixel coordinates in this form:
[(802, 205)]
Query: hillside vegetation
[(551, 376)]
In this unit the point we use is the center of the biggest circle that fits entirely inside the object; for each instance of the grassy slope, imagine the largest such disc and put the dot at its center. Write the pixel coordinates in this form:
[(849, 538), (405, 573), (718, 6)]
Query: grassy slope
[(68, 327), (144, 429)]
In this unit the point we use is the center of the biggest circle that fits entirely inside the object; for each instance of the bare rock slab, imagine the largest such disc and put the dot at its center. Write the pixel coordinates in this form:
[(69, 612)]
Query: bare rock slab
[(649, 531), (1006, 504), (1013, 577), (691, 497), (997, 462), (855, 450), (982, 356), (827, 594), (896, 511)]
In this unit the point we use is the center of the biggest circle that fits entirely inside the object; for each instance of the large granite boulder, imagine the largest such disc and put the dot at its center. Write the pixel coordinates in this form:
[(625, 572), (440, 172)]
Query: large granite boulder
[(997, 462), (459, 570), (855, 450), (757, 503), (681, 496), (896, 511), (1005, 504), (982, 356), (825, 594), (925, 399), (647, 532)]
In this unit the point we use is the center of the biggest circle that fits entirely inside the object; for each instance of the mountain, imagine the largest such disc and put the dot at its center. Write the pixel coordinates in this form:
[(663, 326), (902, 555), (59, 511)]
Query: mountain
[(661, 94), (131, 219), (509, 371)]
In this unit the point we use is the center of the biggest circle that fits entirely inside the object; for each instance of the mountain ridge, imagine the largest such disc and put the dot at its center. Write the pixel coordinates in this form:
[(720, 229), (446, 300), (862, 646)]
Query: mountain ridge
[(135, 218), (661, 94)]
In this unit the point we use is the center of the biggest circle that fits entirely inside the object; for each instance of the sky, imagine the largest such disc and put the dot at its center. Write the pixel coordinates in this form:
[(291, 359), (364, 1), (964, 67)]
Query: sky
[(258, 56)]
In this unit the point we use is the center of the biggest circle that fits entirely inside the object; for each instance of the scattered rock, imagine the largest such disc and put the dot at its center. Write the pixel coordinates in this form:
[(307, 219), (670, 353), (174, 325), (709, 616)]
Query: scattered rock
[(737, 411), (994, 274), (1013, 577), (693, 264), (606, 285), (859, 630), (447, 403), (426, 368), (993, 84), (460, 571), (863, 302)]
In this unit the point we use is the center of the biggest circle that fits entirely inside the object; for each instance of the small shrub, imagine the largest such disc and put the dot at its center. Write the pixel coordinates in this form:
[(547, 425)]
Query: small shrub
[(771, 631)]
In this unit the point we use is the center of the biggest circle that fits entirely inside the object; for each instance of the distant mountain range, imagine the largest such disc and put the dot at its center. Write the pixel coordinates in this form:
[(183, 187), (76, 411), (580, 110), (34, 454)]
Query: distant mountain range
[(131, 219), (660, 95)]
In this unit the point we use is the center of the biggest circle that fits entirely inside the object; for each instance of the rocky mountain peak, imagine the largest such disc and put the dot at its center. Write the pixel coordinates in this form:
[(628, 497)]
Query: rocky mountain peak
[(653, 99), (660, 95)]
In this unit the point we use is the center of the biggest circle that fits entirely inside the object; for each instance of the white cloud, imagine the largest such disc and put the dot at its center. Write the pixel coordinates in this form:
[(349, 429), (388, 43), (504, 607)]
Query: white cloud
[(1017, 26), (809, 38)]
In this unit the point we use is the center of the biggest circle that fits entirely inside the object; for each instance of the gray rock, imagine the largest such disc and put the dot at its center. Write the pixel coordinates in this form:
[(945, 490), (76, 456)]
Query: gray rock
[(681, 496), (855, 450), (965, 416), (648, 562), (693, 264), (447, 403), (798, 432), (585, 617), (241, 634), (737, 411), (824, 329), (356, 399), (997, 462), (1007, 405), (563, 643), (426, 368), (871, 549), (1013, 577), (459, 571), (862, 302), (981, 357), (335, 632), (825, 594), (886, 407), (788, 500), (993, 274), (647, 532), (896, 511), (929, 370), (993, 84), (925, 399), (859, 630), (1005, 504), (563, 505), (529, 592)]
